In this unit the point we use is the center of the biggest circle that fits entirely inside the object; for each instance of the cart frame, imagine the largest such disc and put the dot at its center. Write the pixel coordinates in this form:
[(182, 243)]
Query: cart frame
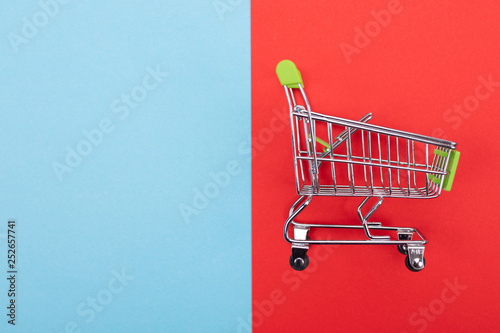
[(438, 174)]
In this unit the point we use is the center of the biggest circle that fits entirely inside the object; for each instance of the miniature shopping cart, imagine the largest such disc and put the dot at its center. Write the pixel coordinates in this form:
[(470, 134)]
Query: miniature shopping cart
[(357, 159)]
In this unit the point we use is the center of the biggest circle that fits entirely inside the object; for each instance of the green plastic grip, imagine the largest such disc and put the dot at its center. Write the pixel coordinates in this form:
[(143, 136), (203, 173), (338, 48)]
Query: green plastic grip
[(451, 169), (288, 74), (322, 142)]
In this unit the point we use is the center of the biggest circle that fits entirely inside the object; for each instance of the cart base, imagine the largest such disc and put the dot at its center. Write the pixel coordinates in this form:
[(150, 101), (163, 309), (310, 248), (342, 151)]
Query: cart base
[(411, 248)]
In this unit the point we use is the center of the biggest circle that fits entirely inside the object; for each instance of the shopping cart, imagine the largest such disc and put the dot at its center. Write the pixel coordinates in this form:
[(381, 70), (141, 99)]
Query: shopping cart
[(360, 160)]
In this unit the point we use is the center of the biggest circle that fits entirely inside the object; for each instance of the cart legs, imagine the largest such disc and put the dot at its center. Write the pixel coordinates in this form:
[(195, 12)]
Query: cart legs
[(415, 260), (413, 249), (299, 259), (364, 219)]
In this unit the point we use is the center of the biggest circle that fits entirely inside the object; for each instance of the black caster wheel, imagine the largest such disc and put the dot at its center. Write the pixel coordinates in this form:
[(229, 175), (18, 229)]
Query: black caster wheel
[(300, 263), (403, 249), (412, 267)]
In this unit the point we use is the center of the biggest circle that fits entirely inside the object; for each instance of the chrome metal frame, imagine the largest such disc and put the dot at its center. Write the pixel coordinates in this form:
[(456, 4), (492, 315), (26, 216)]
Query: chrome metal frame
[(398, 171)]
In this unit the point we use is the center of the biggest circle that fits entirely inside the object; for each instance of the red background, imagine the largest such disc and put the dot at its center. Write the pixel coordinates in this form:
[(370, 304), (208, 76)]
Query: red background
[(427, 59)]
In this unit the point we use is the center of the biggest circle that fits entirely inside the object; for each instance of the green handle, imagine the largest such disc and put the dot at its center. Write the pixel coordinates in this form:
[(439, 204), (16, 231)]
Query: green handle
[(451, 169), (288, 74)]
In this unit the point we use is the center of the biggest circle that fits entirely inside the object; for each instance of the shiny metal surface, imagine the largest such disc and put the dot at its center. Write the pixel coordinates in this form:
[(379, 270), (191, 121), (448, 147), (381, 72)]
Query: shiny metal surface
[(361, 160)]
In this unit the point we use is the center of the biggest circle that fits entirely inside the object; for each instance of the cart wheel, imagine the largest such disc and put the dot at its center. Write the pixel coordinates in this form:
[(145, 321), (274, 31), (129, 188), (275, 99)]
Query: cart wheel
[(403, 249), (300, 263), (413, 267)]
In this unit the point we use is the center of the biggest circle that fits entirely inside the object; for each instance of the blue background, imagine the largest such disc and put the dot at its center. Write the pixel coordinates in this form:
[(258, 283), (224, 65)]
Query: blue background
[(119, 209)]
